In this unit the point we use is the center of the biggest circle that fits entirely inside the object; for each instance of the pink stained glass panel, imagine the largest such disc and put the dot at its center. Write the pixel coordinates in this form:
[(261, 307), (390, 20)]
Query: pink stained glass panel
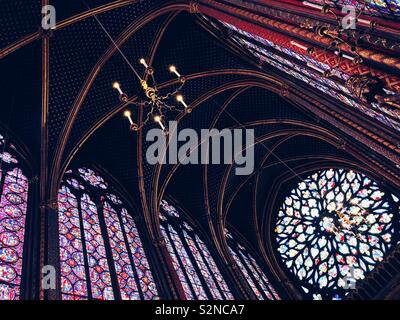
[(264, 278), (96, 253), (203, 268), (145, 276), (217, 274), (177, 267), (257, 277), (187, 264), (208, 277), (73, 276), (246, 275), (125, 274), (13, 207)]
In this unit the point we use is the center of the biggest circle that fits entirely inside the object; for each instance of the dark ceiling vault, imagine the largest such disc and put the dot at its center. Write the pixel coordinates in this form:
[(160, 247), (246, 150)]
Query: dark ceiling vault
[(228, 90)]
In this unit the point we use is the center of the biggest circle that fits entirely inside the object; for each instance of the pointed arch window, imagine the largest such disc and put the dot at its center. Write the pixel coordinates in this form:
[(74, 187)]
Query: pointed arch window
[(101, 254), (13, 206), (251, 271), (197, 270)]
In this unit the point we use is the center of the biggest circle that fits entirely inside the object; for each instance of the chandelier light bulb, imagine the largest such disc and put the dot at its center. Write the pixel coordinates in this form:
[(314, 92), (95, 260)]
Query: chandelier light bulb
[(315, 68), (298, 45), (179, 98), (370, 23), (312, 5), (348, 57), (128, 114), (158, 120), (117, 87), (143, 62), (173, 70)]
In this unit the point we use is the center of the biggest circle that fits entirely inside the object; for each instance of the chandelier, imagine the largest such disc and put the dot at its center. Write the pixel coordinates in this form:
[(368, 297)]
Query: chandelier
[(153, 101), (345, 40), (342, 35)]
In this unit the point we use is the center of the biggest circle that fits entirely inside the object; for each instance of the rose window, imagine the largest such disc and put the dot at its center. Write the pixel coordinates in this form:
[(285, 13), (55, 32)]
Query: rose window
[(333, 228)]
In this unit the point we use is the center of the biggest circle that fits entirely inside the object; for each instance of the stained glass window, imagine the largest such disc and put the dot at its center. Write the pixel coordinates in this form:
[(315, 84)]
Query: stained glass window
[(101, 254), (13, 205), (251, 271), (333, 229), (197, 270)]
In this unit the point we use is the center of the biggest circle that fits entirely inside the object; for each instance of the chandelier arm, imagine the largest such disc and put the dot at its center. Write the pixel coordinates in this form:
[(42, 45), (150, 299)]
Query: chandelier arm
[(361, 12), (170, 94), (133, 103), (172, 108), (146, 120), (150, 113), (181, 86), (146, 103), (335, 15)]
